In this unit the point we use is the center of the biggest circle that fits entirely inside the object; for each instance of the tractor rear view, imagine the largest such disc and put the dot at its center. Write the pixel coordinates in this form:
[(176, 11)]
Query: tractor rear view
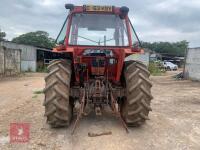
[(94, 74)]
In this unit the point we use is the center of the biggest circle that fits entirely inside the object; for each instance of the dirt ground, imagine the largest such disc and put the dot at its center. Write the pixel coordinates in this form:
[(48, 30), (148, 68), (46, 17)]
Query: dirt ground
[(174, 122)]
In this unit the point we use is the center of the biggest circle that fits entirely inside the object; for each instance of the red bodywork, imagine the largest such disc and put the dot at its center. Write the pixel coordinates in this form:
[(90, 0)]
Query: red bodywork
[(113, 71)]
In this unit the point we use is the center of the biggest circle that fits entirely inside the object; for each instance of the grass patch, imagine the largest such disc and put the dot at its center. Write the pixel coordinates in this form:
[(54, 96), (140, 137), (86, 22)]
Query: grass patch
[(156, 69), (35, 96), (42, 69), (38, 92)]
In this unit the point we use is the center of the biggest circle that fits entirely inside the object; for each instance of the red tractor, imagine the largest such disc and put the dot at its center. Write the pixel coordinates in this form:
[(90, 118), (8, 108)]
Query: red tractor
[(95, 41)]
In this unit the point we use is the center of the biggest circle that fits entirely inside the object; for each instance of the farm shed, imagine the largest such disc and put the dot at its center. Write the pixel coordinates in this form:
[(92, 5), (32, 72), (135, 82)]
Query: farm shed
[(28, 55), (10, 61), (32, 57), (44, 56), (192, 64), (179, 60)]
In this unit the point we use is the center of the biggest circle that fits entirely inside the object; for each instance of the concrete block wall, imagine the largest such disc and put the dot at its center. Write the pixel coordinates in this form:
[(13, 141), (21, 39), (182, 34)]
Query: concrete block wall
[(192, 66)]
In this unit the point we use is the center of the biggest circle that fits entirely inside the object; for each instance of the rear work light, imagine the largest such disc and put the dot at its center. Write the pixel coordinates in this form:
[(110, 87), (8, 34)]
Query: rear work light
[(69, 6)]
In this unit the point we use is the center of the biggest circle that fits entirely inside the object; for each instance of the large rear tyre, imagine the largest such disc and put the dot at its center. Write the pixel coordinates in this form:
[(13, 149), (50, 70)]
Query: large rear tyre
[(58, 108), (136, 105)]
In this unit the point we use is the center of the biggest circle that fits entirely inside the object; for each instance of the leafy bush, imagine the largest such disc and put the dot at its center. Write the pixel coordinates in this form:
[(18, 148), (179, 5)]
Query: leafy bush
[(156, 69), (38, 92), (38, 39)]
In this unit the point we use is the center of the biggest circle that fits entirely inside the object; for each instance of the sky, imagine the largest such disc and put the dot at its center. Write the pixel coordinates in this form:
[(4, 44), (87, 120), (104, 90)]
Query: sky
[(153, 20)]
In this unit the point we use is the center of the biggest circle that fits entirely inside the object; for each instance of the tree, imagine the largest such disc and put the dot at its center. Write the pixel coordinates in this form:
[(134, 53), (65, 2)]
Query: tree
[(38, 38), (177, 48), (2, 36)]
